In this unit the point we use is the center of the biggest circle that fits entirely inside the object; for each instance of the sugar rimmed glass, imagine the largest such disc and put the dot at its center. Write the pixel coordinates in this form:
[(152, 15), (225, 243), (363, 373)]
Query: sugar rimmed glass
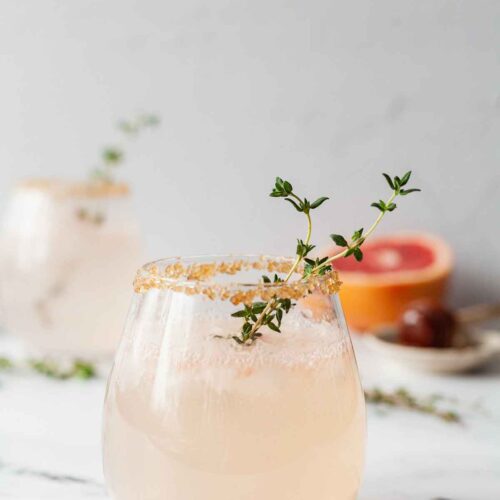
[(68, 253), (191, 415)]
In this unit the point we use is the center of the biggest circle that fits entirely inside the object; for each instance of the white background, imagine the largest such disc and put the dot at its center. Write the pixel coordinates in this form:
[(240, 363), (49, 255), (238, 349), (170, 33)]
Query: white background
[(326, 93)]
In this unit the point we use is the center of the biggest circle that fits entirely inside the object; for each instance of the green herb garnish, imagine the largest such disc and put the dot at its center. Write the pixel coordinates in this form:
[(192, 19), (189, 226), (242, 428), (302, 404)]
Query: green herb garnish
[(401, 398), (111, 158), (114, 156), (137, 124), (79, 369), (5, 363), (270, 314)]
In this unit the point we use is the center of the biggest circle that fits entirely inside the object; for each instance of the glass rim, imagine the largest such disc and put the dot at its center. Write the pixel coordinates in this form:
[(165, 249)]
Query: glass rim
[(71, 188), (195, 275)]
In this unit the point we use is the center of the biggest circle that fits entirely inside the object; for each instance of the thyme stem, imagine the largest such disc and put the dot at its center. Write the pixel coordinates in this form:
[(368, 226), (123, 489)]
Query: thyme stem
[(362, 239), (272, 303), (299, 258)]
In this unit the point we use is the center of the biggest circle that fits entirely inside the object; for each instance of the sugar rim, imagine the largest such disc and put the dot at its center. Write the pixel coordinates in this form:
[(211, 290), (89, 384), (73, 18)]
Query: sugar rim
[(79, 189), (194, 275)]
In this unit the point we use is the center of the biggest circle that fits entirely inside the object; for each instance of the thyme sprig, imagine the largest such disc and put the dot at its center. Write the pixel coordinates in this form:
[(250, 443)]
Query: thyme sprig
[(353, 247), (77, 369), (138, 123), (401, 398), (114, 156), (5, 363), (270, 314)]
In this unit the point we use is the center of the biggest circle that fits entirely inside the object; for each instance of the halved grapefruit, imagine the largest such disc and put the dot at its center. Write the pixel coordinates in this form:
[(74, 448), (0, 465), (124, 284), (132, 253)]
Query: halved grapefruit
[(395, 271)]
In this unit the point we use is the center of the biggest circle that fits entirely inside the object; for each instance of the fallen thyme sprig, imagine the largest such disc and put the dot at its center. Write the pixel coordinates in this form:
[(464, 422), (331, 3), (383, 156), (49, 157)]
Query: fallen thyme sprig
[(5, 363), (401, 398), (78, 368), (270, 314)]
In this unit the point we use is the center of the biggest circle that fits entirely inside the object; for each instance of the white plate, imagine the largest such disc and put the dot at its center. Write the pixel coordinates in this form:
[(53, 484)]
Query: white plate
[(484, 346)]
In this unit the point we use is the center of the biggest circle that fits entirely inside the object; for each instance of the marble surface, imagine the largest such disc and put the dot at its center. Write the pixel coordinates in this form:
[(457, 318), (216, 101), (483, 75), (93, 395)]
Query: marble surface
[(50, 437)]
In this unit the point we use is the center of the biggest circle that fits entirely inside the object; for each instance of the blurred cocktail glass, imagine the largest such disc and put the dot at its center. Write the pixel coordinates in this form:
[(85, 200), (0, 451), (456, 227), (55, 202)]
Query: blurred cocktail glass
[(68, 254), (192, 414)]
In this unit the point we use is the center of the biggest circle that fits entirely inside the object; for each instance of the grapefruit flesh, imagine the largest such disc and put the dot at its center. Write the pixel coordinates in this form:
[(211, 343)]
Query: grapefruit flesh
[(389, 257), (396, 270)]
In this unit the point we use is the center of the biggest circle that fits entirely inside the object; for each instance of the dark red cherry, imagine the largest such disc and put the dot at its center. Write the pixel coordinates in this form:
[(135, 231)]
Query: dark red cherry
[(427, 324)]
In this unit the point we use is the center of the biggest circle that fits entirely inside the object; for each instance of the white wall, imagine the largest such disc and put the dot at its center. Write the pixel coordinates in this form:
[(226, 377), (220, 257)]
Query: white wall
[(326, 93)]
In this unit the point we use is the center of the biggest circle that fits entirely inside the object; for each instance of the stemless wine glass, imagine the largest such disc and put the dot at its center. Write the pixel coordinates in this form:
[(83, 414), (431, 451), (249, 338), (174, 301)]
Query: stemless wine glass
[(68, 252), (191, 414)]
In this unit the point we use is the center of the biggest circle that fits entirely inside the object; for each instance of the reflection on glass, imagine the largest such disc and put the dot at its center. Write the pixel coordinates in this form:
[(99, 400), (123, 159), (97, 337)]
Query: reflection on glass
[(190, 414)]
